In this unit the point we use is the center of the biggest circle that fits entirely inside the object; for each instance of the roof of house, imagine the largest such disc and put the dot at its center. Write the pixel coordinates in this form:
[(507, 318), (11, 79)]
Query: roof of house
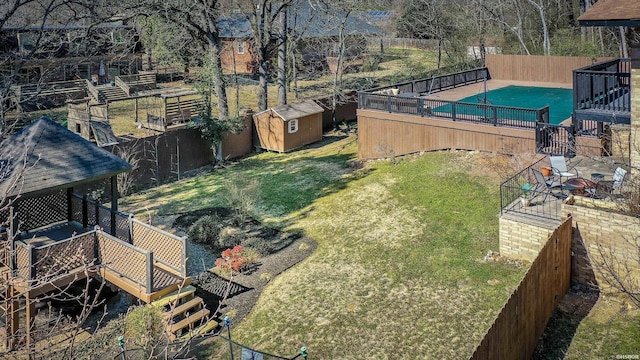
[(297, 110), (45, 156), (306, 20), (612, 13)]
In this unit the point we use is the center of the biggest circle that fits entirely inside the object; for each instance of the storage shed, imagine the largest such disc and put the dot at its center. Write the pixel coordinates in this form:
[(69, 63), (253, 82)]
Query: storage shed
[(287, 127)]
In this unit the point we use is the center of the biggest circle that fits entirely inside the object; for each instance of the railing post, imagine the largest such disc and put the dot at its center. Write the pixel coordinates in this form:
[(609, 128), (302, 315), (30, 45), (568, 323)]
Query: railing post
[(453, 110), (69, 204), (494, 115), (421, 107), (32, 262), (97, 207), (85, 212), (184, 256), (130, 228), (149, 272), (389, 103)]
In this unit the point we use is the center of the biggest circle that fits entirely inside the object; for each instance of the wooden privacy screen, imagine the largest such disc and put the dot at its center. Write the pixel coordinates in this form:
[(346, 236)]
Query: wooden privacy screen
[(557, 69), (167, 248)]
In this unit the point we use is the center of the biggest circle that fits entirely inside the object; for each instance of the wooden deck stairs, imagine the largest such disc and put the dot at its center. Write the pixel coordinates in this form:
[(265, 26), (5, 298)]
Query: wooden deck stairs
[(185, 314)]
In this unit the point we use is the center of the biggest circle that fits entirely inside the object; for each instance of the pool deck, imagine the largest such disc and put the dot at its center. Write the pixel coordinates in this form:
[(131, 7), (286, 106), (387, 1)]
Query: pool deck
[(474, 89)]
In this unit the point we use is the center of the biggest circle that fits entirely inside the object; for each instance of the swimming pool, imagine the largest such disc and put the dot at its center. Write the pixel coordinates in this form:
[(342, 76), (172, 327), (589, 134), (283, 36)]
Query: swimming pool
[(560, 101)]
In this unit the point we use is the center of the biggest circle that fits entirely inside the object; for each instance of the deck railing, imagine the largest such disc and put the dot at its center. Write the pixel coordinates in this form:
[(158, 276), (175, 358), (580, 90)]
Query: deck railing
[(604, 86), (524, 184), (61, 257), (168, 249), (457, 111), (47, 262), (436, 83), (129, 261), (412, 98)]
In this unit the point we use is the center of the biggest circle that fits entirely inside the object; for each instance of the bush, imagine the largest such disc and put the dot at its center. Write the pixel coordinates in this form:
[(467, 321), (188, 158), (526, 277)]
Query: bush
[(228, 238), (261, 245), (144, 326), (206, 230), (237, 259)]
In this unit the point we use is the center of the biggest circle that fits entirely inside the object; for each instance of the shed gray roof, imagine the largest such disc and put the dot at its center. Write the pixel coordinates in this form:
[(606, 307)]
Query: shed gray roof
[(45, 157), (294, 111)]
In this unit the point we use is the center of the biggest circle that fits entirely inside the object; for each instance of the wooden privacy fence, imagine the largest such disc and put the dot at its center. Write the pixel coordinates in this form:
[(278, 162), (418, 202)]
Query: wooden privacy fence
[(522, 320), (558, 69)]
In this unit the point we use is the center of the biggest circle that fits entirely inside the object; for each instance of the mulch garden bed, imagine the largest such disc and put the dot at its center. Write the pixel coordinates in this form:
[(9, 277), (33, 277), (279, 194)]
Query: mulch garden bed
[(245, 288)]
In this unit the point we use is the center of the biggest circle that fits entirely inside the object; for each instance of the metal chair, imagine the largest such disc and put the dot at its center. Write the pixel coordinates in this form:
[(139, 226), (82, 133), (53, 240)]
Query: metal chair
[(616, 183), (559, 167), (546, 186)]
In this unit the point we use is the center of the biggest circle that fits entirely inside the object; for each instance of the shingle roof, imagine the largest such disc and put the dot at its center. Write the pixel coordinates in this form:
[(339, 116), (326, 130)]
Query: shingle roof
[(46, 156), (306, 20), (297, 110), (612, 13)]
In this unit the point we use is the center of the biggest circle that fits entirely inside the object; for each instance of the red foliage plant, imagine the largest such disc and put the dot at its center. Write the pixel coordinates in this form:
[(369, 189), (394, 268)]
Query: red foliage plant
[(232, 259)]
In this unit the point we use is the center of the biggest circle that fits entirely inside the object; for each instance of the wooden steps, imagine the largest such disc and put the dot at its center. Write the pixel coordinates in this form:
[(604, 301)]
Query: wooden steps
[(185, 314), (194, 303), (177, 329)]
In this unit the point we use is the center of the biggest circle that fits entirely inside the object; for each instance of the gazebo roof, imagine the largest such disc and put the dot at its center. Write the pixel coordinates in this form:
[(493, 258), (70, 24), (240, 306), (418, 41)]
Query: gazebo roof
[(612, 13), (45, 157)]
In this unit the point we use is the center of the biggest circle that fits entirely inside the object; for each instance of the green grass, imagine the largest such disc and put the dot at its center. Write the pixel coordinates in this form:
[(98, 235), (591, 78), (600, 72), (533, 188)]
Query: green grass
[(398, 270), (610, 329)]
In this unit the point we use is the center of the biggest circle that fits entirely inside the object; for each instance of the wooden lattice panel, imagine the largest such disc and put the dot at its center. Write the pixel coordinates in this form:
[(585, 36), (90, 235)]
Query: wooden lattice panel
[(4, 217), (36, 212), (122, 227), (104, 219), (170, 249), (76, 209), (91, 214), (22, 261), (62, 257), (123, 259)]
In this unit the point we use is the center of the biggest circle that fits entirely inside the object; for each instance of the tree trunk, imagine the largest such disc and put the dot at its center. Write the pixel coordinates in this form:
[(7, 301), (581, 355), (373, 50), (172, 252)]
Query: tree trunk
[(282, 59), (218, 79)]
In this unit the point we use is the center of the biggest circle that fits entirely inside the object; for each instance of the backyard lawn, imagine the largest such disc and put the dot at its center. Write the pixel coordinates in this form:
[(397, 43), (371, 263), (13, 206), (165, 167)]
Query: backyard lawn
[(399, 267)]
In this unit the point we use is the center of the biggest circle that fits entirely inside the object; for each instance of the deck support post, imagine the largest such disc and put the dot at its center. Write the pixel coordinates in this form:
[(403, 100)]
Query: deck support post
[(13, 318)]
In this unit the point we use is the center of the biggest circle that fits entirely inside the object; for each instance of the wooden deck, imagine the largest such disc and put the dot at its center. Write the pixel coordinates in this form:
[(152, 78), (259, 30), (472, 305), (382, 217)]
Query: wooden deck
[(56, 247)]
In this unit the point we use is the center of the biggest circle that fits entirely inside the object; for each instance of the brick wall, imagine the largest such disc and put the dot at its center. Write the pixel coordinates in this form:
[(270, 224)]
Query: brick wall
[(600, 230), (620, 138), (520, 240)]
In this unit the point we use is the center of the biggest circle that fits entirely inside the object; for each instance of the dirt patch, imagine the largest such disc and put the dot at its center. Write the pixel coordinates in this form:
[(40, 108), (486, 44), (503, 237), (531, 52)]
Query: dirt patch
[(244, 289)]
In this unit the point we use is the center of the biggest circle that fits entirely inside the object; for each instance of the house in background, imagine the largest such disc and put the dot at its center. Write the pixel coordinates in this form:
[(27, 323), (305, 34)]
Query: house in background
[(316, 32), (287, 127)]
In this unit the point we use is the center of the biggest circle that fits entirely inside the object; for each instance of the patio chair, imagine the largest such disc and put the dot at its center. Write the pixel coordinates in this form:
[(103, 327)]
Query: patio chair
[(546, 186), (559, 167), (616, 184)]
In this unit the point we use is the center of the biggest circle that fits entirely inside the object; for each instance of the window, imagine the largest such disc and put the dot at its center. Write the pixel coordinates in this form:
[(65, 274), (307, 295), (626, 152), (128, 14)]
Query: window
[(241, 47), (293, 126)]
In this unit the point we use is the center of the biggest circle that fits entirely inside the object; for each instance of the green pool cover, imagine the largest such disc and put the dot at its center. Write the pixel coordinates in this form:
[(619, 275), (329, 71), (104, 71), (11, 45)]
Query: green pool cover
[(529, 97)]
